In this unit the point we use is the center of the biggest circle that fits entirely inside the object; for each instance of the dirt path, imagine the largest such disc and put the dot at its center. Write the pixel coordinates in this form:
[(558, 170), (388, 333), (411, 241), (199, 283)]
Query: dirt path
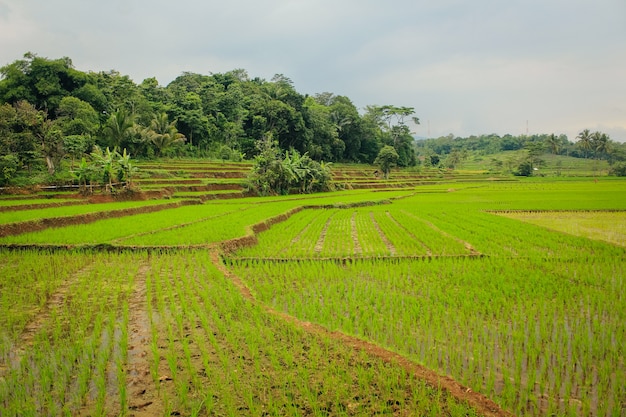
[(144, 400), (320, 242), (428, 251), (390, 247), (483, 405), (355, 235)]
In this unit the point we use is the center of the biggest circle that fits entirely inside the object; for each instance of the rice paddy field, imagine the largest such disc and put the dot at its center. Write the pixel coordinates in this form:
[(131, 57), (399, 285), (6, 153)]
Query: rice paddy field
[(454, 298)]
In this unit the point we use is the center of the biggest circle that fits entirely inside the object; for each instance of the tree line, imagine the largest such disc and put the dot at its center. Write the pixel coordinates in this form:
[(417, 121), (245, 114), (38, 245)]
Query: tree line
[(450, 151), (51, 113)]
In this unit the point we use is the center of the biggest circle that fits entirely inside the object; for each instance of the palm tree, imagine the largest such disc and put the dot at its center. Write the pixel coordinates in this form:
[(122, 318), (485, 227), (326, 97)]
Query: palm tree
[(118, 128), (584, 141), (553, 143), (600, 143), (163, 133)]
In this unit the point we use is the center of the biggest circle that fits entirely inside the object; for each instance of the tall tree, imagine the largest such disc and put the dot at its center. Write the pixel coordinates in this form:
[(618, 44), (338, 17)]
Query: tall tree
[(387, 158), (584, 142), (553, 143), (163, 134), (600, 143), (118, 128)]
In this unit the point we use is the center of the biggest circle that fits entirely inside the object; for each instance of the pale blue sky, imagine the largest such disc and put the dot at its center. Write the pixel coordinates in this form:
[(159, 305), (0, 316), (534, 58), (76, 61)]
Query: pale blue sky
[(467, 67)]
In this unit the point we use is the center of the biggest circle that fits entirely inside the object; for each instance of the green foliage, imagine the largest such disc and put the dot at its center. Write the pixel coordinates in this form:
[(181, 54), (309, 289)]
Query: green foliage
[(387, 158), (525, 169), (619, 170), (8, 168), (275, 173), (103, 167)]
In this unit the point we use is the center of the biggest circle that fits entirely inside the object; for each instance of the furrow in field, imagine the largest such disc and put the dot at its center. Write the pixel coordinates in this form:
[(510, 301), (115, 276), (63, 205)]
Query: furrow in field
[(355, 235), (483, 405), (44, 315), (320, 241), (390, 247), (415, 238), (144, 401), (465, 243)]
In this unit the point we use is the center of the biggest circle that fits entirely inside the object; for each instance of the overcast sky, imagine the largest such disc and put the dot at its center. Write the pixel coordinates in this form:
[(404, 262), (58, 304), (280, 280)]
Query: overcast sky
[(466, 66)]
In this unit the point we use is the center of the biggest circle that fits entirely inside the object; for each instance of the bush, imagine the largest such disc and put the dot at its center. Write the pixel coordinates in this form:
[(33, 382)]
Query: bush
[(525, 169), (618, 170)]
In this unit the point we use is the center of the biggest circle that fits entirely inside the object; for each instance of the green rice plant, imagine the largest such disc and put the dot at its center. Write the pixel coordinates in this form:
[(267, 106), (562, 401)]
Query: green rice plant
[(234, 338), (478, 304), (68, 211)]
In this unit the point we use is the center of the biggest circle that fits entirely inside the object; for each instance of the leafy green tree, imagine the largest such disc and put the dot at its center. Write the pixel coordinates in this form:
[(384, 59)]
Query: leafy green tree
[(85, 173), (76, 146), (104, 161), (274, 173), (9, 165), (392, 121), (387, 158), (40, 81), (126, 169)]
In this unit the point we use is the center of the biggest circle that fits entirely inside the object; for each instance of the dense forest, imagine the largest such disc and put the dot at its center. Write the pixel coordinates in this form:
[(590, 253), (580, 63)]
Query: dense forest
[(50, 111), (53, 116)]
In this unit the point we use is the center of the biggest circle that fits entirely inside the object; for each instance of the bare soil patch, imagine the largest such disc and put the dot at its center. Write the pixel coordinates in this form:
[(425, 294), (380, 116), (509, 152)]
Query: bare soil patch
[(144, 401)]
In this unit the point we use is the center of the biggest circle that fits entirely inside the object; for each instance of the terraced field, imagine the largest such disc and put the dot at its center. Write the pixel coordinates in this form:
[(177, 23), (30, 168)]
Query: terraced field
[(405, 299)]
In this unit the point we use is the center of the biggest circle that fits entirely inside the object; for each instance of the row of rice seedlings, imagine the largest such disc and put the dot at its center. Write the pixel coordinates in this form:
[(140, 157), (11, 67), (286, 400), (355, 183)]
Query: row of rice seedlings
[(28, 280), (514, 238), (352, 232), (337, 238), (76, 359), (7, 204), (404, 241), (292, 232), (529, 333), (109, 230), (7, 217), (226, 356), (215, 229), (370, 239), (438, 242)]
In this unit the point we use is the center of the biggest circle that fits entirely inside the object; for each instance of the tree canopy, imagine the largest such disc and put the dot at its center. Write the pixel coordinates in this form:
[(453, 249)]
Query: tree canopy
[(194, 115)]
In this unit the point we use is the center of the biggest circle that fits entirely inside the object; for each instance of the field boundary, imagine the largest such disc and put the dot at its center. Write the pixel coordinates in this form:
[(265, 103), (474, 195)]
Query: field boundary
[(351, 259), (521, 211), (476, 400), (12, 229)]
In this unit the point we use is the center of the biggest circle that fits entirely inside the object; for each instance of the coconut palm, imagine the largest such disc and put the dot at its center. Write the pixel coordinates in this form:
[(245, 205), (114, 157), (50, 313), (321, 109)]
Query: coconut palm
[(553, 144), (118, 128), (584, 141), (600, 143), (163, 133)]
